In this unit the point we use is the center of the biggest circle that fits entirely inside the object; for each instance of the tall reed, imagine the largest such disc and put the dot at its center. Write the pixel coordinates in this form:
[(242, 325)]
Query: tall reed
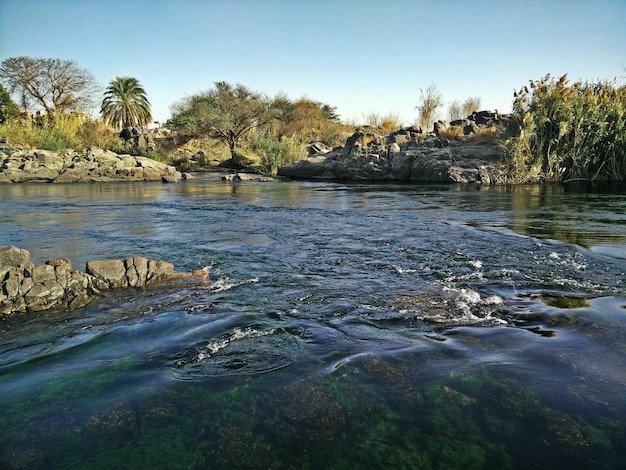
[(568, 132)]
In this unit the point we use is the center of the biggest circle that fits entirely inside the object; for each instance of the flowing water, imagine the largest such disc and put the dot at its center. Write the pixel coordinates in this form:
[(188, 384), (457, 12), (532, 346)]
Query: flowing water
[(345, 326)]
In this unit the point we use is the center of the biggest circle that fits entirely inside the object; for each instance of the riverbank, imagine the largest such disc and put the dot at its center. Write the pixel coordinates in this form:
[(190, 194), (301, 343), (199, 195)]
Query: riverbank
[(19, 164)]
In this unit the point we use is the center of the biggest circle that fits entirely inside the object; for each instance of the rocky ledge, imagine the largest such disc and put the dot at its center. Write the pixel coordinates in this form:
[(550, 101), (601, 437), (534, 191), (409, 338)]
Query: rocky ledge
[(458, 152), (20, 164), (26, 287)]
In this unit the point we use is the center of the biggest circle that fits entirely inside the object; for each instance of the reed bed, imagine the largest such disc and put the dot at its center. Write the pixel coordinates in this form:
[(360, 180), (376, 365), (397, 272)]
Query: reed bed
[(567, 132)]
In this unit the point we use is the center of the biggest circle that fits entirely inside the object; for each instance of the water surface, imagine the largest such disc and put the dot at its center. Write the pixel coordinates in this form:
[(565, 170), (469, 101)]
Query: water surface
[(345, 326)]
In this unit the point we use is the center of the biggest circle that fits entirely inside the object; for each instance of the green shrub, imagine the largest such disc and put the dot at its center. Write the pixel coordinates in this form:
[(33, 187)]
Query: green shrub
[(568, 132), (24, 133), (274, 153)]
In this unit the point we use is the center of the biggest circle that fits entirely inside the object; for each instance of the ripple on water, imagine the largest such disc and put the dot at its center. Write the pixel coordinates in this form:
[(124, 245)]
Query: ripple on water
[(239, 351), (444, 305)]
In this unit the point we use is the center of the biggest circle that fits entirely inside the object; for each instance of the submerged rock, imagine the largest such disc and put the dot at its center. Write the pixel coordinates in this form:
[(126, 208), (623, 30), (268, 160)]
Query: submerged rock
[(26, 287)]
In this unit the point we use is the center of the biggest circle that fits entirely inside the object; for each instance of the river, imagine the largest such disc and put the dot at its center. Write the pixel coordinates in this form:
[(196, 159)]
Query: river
[(345, 326)]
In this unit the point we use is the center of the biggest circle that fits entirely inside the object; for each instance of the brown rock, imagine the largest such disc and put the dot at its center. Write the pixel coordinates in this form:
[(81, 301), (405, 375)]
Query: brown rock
[(108, 274), (14, 256)]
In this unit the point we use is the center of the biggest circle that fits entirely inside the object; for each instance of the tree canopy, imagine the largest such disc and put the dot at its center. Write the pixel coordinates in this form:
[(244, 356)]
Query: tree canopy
[(227, 113), (304, 117), (56, 85), (125, 104), (8, 108)]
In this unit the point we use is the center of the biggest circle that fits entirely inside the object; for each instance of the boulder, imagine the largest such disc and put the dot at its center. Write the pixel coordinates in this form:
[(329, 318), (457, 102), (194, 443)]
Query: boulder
[(12, 256), (305, 169), (246, 177), (26, 287), (440, 127), (317, 148)]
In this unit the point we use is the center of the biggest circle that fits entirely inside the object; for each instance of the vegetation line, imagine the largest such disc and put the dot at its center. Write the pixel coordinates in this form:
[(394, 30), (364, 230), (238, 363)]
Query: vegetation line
[(559, 132)]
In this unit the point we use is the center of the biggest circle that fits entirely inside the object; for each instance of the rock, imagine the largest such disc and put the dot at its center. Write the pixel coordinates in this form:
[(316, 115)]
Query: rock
[(18, 164), (440, 127), (317, 148), (308, 168), (470, 128), (409, 155), (26, 287), (432, 160), (12, 256), (107, 274), (169, 179), (246, 177)]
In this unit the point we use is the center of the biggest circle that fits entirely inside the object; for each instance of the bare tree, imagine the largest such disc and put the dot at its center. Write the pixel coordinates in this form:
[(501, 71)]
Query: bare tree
[(56, 85)]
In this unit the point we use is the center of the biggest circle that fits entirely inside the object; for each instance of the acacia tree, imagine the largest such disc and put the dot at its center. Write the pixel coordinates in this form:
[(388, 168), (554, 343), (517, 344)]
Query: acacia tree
[(56, 85), (226, 113), (125, 104)]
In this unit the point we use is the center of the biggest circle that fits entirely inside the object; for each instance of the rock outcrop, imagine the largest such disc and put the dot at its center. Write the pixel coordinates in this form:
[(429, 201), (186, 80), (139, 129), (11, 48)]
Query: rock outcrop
[(27, 287), (21, 164), (450, 154)]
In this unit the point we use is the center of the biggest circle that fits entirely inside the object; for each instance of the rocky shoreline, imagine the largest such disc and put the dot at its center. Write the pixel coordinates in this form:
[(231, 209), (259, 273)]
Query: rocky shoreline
[(27, 287), (20, 164), (454, 152)]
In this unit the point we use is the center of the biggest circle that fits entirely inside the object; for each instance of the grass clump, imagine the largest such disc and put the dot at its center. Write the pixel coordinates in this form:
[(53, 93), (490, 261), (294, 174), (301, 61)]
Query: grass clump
[(568, 132), (74, 130)]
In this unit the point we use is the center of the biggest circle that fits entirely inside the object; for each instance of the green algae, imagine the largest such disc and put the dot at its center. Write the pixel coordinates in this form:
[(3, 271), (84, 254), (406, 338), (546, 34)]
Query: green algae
[(375, 412)]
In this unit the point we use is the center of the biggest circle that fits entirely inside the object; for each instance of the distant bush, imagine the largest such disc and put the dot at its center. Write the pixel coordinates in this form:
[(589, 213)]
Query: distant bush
[(458, 110), (25, 133), (383, 124), (568, 132)]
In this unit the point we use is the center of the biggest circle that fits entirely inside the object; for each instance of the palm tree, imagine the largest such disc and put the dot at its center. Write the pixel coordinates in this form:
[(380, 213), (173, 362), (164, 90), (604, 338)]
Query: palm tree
[(125, 104)]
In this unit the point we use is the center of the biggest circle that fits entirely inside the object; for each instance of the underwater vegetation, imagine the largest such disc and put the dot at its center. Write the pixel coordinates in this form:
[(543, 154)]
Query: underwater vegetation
[(374, 412)]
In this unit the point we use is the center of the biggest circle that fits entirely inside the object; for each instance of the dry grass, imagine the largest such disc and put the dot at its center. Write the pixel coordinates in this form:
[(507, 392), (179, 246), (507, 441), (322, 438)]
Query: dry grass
[(484, 134)]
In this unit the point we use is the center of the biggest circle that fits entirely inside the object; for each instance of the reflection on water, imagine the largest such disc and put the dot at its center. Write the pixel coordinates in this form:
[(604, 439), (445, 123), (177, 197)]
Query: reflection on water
[(346, 325)]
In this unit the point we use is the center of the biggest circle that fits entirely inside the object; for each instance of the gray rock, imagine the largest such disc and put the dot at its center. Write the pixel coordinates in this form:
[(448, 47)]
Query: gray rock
[(107, 274), (408, 155), (18, 164), (26, 287), (317, 148)]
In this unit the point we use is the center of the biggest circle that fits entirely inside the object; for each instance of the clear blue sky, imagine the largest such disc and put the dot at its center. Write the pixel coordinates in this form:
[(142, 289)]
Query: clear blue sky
[(359, 56)]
